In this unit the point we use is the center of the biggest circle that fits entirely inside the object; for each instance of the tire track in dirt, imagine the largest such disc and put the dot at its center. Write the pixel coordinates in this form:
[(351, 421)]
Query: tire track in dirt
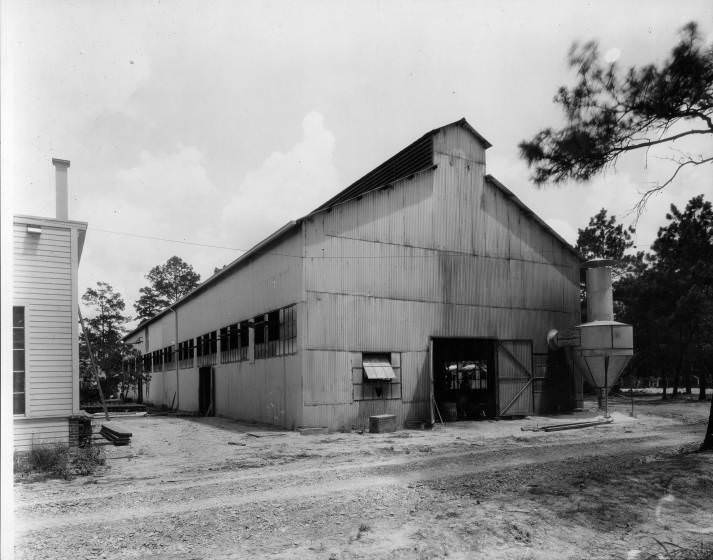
[(107, 488), (225, 492)]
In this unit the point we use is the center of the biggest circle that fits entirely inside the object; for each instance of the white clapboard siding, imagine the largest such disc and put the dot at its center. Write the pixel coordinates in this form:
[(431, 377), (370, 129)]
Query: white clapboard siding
[(28, 433), (44, 283)]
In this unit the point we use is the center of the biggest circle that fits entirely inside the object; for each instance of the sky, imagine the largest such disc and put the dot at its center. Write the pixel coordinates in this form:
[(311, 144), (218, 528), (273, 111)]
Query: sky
[(213, 123)]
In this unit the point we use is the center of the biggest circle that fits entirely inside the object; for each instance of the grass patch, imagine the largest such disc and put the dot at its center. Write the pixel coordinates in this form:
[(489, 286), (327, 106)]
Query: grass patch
[(57, 461)]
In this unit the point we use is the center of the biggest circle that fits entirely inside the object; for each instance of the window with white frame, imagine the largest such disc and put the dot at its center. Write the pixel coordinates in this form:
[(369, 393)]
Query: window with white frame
[(18, 360)]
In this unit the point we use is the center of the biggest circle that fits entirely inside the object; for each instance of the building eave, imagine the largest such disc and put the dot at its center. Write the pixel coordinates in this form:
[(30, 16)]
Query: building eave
[(49, 222), (253, 252), (528, 212)]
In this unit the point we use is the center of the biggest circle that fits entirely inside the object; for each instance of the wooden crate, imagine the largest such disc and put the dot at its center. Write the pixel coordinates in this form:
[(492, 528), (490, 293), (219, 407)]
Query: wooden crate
[(382, 423)]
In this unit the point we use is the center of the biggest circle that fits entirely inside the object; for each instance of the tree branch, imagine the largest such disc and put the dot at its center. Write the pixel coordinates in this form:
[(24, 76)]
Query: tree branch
[(649, 143), (640, 206)]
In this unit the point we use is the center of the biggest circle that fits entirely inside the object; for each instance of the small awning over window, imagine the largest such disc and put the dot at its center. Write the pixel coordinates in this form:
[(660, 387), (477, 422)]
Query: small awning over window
[(378, 368)]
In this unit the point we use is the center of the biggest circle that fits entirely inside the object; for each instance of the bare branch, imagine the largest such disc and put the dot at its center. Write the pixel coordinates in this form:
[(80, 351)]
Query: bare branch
[(640, 206), (661, 140)]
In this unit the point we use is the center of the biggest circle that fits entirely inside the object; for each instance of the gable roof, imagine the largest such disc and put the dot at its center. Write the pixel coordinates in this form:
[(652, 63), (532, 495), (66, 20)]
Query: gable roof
[(416, 157)]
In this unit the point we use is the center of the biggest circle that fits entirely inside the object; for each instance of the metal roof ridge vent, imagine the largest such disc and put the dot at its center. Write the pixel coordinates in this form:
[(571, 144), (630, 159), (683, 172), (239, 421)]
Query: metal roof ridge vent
[(61, 189)]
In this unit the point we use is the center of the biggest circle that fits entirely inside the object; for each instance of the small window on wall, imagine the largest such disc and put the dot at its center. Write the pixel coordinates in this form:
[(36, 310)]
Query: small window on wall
[(244, 339), (273, 333), (157, 356), (147, 362), (18, 360), (168, 355), (185, 353), (376, 376), (207, 349), (259, 324), (229, 347), (288, 330)]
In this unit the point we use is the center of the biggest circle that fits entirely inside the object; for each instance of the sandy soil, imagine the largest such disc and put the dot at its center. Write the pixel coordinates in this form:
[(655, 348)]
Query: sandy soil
[(211, 488)]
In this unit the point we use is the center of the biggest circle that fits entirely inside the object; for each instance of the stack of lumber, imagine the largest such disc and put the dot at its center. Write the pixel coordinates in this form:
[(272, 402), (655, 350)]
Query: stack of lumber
[(115, 433), (567, 426), (415, 424)]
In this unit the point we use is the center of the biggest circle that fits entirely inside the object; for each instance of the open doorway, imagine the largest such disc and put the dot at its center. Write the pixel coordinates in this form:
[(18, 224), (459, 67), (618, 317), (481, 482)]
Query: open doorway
[(206, 405), (464, 378)]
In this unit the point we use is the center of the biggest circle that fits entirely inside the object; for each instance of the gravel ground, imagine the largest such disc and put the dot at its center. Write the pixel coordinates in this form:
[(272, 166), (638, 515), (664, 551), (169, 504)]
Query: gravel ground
[(189, 488)]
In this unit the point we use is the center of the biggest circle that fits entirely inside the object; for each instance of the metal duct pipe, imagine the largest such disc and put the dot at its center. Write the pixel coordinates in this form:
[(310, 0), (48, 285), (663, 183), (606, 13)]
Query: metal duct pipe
[(600, 296), (601, 347)]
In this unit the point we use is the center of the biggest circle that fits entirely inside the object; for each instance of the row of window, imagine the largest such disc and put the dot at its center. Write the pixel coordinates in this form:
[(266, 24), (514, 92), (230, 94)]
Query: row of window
[(275, 334)]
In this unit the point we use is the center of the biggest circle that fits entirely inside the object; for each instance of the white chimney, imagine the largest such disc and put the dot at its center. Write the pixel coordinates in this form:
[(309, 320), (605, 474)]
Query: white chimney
[(60, 176)]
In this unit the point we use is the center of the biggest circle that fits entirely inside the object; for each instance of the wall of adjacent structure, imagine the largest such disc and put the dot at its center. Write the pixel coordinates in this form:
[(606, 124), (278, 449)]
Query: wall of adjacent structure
[(442, 254), (45, 284), (263, 390)]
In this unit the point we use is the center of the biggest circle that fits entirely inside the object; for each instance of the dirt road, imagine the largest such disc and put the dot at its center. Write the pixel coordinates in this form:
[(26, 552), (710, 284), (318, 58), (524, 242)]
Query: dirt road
[(213, 488)]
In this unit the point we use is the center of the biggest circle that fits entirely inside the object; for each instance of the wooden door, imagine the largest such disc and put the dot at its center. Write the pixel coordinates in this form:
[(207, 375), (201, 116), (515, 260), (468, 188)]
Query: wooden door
[(515, 377), (205, 390)]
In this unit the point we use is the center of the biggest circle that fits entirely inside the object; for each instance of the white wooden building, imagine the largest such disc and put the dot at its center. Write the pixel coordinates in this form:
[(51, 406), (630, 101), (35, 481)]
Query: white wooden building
[(426, 281), (46, 254)]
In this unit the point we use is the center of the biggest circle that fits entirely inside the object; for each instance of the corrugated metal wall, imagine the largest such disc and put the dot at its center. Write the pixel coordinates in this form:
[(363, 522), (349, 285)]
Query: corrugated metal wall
[(443, 254), (266, 390)]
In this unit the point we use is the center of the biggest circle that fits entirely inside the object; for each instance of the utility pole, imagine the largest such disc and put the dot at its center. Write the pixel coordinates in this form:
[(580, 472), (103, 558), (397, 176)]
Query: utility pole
[(95, 369)]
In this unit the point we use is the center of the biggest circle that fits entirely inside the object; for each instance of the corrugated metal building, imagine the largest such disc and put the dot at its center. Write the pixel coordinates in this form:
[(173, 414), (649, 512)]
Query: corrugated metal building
[(46, 253), (426, 281)]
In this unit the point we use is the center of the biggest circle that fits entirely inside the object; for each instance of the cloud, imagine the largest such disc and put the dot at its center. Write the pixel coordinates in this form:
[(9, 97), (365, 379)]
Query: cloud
[(166, 196), (285, 186), (171, 195)]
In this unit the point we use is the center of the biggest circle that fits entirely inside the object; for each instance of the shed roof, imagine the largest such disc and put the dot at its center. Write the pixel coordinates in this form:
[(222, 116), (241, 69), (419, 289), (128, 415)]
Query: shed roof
[(415, 157)]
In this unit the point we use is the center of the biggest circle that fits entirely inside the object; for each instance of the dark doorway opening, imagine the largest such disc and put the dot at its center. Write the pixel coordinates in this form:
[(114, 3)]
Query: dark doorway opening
[(206, 405), (464, 378)]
